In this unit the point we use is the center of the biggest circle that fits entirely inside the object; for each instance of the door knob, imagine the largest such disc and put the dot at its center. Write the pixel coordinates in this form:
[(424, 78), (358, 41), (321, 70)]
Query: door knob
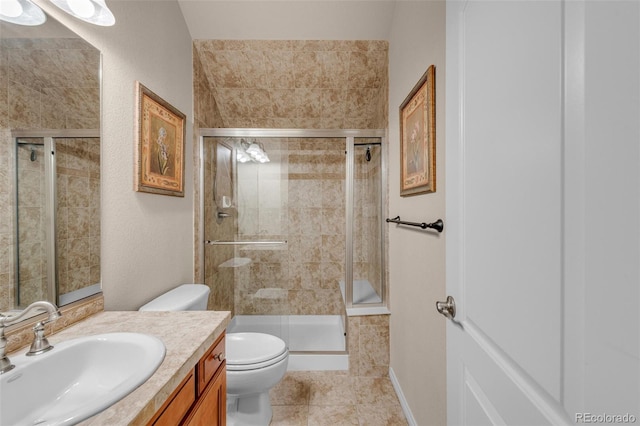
[(448, 308)]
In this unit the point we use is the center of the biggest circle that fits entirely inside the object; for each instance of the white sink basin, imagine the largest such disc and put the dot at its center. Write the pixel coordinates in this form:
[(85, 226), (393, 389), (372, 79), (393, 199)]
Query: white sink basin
[(77, 378)]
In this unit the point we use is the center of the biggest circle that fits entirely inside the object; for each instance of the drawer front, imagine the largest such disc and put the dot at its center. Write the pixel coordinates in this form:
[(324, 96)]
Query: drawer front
[(181, 402), (210, 363)]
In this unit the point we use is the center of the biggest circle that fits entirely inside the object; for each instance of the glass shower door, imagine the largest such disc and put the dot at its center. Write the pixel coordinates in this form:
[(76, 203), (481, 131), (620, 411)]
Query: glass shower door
[(276, 252), (367, 224), (33, 236), (246, 256)]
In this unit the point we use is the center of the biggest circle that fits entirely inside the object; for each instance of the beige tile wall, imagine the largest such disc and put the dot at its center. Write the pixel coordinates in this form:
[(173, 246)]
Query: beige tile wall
[(369, 346), (49, 84), (324, 84), (206, 115)]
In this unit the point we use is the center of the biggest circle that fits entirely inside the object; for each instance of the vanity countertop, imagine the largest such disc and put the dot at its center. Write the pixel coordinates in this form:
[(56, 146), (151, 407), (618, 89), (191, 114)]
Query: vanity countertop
[(186, 336)]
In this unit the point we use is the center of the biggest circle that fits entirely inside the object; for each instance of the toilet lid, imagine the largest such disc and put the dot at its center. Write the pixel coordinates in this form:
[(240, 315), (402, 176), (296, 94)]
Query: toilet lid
[(252, 349), (179, 299)]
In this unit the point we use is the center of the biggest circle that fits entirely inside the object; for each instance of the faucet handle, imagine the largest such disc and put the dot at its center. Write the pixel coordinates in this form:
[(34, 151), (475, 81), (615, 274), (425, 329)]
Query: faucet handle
[(40, 343)]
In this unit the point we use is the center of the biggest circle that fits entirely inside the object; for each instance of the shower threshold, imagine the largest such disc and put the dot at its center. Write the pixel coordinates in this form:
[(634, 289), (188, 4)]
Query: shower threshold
[(315, 342)]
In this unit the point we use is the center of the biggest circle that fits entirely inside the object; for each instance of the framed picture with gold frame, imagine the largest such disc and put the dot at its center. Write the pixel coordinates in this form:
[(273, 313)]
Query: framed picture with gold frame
[(418, 138), (161, 136)]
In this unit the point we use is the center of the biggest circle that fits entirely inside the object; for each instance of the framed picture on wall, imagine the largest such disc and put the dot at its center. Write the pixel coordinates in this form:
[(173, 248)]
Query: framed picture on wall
[(160, 152), (418, 138)]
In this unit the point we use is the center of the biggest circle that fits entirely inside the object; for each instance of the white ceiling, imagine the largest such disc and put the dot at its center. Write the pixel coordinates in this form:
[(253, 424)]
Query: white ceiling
[(288, 20)]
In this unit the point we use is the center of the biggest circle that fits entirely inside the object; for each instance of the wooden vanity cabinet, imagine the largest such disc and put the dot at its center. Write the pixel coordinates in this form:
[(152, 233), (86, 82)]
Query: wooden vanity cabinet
[(200, 399)]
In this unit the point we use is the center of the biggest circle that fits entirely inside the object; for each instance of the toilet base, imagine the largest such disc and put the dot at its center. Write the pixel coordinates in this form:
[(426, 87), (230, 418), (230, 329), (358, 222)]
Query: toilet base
[(249, 410)]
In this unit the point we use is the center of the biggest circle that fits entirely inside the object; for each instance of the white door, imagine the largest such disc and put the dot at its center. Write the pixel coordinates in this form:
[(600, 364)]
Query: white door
[(543, 211)]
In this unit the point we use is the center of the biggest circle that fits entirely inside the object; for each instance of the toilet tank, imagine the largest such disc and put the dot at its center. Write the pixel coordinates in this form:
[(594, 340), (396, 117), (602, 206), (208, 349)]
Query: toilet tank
[(187, 297)]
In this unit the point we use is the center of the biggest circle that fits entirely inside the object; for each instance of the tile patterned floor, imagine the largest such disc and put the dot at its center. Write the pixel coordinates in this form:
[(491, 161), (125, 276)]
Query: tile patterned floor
[(319, 398)]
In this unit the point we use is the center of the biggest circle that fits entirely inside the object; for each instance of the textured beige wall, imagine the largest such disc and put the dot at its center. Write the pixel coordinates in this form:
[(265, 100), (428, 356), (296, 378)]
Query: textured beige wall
[(417, 259), (147, 239)]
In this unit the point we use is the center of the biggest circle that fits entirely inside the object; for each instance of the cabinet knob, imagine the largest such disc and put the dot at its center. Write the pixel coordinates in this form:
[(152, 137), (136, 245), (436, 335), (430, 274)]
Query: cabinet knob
[(219, 356)]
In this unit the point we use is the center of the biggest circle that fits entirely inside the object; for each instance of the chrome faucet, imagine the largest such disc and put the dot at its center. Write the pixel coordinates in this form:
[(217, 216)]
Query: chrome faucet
[(39, 344)]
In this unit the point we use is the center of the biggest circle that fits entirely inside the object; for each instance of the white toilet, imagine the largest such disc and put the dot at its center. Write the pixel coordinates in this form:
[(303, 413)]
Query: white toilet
[(187, 297), (256, 362)]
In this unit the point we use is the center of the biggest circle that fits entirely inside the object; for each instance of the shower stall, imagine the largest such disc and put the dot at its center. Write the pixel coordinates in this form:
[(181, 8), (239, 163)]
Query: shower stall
[(293, 234), (57, 215)]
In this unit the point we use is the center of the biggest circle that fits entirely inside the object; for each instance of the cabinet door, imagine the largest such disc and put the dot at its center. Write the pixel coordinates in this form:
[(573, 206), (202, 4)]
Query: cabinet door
[(211, 408), (178, 404)]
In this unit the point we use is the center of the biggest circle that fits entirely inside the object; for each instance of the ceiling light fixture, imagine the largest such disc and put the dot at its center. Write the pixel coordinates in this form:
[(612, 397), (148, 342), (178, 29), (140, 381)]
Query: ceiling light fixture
[(92, 11), (251, 151), (21, 12)]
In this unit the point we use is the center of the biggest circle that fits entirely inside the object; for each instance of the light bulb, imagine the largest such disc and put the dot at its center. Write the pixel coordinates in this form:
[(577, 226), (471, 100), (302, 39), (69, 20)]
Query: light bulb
[(253, 148), (82, 8), (10, 8), (21, 12), (242, 156)]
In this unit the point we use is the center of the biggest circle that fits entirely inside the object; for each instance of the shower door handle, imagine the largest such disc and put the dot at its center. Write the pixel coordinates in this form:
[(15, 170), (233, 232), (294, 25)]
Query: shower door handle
[(447, 308)]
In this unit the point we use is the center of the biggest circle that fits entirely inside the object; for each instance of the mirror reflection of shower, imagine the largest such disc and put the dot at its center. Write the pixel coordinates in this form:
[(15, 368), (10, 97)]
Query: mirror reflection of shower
[(31, 224), (57, 220)]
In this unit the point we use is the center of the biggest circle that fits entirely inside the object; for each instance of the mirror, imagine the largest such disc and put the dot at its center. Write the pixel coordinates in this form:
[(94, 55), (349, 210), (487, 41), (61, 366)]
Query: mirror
[(50, 165)]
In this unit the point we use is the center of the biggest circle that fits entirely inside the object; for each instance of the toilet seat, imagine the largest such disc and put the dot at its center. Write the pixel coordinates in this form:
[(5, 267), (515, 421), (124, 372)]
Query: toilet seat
[(251, 351)]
